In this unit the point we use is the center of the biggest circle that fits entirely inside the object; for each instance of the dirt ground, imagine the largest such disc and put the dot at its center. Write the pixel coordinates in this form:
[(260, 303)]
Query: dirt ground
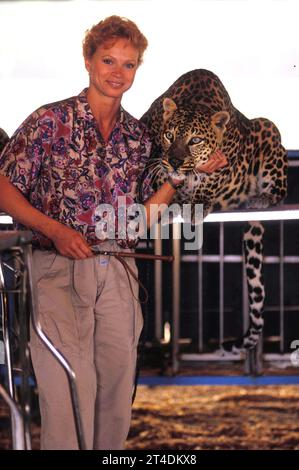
[(205, 417), (215, 417)]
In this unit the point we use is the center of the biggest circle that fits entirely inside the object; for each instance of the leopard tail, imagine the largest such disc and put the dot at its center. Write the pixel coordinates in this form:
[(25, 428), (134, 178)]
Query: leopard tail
[(253, 250)]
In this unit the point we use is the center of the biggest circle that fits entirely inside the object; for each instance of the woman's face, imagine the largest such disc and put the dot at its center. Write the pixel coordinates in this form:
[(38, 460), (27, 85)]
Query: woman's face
[(112, 68)]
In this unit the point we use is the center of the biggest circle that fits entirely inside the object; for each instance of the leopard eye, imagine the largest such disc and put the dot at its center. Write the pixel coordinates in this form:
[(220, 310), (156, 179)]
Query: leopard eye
[(195, 141), (169, 136)]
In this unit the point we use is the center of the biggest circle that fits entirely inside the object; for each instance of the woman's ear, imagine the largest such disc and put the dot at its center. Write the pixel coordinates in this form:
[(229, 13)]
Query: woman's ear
[(87, 64), (169, 107)]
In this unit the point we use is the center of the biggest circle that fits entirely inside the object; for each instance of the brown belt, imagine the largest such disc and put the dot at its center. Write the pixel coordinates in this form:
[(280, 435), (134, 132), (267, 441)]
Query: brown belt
[(120, 255)]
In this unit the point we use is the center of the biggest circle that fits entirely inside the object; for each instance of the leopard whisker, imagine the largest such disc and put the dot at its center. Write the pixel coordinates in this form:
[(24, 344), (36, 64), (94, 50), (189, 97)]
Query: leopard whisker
[(153, 164), (154, 173)]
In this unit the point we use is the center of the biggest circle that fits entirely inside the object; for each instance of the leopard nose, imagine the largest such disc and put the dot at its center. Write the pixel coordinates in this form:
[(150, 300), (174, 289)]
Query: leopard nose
[(176, 162), (176, 154)]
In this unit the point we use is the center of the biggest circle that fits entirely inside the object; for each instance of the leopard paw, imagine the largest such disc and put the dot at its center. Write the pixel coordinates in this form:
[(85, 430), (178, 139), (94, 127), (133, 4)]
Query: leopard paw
[(263, 201)]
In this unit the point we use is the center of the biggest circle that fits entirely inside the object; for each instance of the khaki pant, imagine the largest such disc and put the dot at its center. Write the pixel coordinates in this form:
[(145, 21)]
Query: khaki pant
[(87, 309)]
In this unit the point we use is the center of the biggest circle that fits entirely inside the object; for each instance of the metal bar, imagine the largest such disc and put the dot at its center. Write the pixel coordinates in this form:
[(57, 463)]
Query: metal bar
[(5, 331), (221, 283), (277, 357), (258, 363), (211, 357), (24, 355), (293, 154), (18, 442), (176, 275), (213, 258), (200, 300), (287, 308), (158, 283), (281, 286), (57, 354), (245, 303), (10, 398), (239, 259)]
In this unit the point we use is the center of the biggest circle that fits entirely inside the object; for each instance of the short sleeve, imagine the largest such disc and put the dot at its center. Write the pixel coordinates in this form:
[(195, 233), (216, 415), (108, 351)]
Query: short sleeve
[(146, 147), (21, 159), (144, 187)]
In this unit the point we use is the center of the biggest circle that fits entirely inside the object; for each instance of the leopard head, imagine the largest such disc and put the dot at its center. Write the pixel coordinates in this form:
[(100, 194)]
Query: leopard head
[(190, 137)]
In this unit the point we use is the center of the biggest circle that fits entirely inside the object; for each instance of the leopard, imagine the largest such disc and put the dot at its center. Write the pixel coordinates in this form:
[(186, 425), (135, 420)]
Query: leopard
[(188, 123)]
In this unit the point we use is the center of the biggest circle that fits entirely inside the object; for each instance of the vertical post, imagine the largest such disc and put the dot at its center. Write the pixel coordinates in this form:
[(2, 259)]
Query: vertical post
[(16, 418), (221, 283), (5, 331), (281, 286), (176, 274), (158, 283), (24, 352), (258, 366), (200, 301)]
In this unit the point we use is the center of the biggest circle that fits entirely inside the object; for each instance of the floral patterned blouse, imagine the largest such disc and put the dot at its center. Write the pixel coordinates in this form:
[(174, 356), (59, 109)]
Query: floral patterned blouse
[(62, 165)]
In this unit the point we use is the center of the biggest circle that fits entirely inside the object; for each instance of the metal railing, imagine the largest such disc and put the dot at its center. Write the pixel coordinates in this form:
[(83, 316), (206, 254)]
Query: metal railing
[(19, 242), (253, 362)]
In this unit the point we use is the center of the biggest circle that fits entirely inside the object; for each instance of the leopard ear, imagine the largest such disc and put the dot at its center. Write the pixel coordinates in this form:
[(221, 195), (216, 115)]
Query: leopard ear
[(219, 121), (169, 107)]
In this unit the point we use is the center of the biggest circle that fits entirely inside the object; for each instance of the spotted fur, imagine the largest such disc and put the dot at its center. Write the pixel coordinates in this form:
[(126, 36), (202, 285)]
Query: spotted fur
[(188, 122)]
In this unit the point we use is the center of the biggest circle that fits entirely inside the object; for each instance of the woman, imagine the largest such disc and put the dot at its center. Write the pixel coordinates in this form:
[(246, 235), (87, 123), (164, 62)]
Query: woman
[(64, 161)]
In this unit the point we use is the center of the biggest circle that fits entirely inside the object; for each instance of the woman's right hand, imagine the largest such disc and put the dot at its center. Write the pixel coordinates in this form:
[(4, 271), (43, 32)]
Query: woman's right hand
[(70, 243), (216, 160)]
